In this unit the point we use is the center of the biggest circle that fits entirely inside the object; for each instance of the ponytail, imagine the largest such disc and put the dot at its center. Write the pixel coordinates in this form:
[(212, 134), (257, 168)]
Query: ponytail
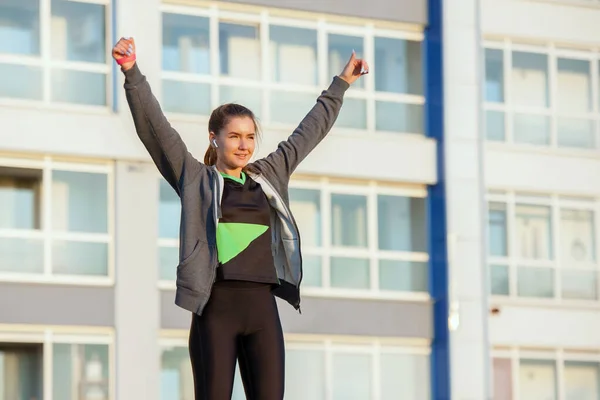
[(210, 157)]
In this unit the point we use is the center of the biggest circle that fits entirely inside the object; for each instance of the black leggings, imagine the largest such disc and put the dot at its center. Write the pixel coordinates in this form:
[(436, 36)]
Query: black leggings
[(240, 321)]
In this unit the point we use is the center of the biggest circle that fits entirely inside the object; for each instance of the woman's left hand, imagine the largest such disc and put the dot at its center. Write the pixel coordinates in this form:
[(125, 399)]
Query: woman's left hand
[(355, 68)]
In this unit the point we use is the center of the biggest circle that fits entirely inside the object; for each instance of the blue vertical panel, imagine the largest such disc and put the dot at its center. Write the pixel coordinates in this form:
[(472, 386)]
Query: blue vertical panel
[(438, 276)]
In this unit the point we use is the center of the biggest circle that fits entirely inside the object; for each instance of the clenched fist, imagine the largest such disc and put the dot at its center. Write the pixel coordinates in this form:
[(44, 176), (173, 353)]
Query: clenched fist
[(124, 53)]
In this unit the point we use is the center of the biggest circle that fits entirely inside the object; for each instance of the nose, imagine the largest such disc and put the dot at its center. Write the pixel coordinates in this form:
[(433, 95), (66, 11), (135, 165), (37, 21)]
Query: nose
[(243, 144)]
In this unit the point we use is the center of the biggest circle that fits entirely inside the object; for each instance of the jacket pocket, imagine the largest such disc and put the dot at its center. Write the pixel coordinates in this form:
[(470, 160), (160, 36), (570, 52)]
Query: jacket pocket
[(191, 256)]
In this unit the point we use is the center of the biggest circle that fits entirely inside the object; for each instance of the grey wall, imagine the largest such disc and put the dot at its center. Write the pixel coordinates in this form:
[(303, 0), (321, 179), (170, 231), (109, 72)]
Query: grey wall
[(44, 304), (412, 11), (136, 292), (333, 317)]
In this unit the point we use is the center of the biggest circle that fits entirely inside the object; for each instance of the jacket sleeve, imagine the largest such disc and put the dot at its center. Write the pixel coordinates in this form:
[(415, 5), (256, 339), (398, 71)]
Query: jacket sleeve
[(309, 133), (165, 146)]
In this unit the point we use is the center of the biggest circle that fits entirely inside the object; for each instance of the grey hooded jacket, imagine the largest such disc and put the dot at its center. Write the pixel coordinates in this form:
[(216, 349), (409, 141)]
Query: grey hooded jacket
[(200, 189)]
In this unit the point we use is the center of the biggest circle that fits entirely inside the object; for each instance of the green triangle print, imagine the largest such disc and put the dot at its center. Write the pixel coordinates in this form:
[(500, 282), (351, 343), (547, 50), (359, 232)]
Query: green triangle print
[(234, 237)]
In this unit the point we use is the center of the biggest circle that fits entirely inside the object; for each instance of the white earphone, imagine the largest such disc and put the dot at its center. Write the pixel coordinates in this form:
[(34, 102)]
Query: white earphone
[(215, 143)]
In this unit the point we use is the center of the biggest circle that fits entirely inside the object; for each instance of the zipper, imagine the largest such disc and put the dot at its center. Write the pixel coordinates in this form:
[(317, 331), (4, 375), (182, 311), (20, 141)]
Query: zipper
[(291, 219)]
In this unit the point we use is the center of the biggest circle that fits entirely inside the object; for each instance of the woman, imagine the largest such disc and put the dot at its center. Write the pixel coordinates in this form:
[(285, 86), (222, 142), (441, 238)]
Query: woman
[(239, 243)]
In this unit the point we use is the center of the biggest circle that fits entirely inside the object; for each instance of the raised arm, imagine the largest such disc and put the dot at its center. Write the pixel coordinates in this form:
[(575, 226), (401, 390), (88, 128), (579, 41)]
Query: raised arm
[(167, 149), (315, 125)]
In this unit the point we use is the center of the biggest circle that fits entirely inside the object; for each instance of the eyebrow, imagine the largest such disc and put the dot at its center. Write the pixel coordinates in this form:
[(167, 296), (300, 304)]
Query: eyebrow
[(237, 133)]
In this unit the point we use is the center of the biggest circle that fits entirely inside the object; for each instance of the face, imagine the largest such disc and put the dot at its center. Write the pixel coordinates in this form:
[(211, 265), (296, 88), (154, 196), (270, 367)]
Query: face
[(236, 143)]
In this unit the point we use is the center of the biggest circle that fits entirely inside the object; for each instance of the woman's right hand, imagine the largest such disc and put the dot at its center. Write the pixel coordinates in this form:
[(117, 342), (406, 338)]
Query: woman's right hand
[(125, 48)]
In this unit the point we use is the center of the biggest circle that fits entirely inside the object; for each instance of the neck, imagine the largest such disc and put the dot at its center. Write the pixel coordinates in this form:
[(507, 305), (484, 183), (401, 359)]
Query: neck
[(235, 172)]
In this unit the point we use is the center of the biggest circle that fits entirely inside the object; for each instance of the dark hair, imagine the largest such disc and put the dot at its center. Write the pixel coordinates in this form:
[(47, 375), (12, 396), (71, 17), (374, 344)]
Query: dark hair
[(221, 117)]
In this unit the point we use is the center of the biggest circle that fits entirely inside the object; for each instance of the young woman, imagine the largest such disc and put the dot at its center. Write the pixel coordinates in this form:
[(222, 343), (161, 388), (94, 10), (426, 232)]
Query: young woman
[(239, 243)]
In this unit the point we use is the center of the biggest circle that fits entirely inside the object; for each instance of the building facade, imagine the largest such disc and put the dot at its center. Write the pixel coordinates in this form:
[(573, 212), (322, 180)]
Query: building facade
[(449, 219), (541, 165), (89, 230)]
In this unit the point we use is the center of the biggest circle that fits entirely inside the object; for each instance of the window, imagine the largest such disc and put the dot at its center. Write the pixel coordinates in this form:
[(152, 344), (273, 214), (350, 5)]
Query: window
[(80, 371), (71, 67), (176, 378), (54, 222), (360, 241), (356, 371), (254, 60), (169, 215), (80, 366), (21, 371), (556, 374), (550, 100), (536, 267), (352, 239)]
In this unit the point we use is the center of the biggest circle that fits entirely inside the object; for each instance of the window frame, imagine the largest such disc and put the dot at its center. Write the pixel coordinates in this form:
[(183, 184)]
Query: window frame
[(330, 345), (553, 53), (560, 356), (556, 203), (47, 165), (46, 63), (323, 27), (326, 188), (47, 336)]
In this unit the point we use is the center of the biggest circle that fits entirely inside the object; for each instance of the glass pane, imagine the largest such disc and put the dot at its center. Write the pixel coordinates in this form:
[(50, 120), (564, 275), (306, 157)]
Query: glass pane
[(353, 114), (574, 85), (186, 97), (351, 377), (80, 372), (535, 282), (312, 271), (306, 207), (21, 371), (293, 55), (248, 97), (168, 259), (403, 276), (176, 379), (290, 107), (534, 232), (497, 229), (79, 202), (576, 132), (404, 376), (582, 380), (537, 380), (577, 238), (350, 273), (579, 285), (502, 379), (25, 256), (169, 212), (529, 85), (20, 27), (494, 75), (79, 258), (239, 51), (78, 87), (25, 82), (399, 66), (348, 220), (20, 196), (401, 223), (340, 50), (495, 128), (499, 280), (185, 43), (78, 31), (531, 129), (398, 117), (310, 365)]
